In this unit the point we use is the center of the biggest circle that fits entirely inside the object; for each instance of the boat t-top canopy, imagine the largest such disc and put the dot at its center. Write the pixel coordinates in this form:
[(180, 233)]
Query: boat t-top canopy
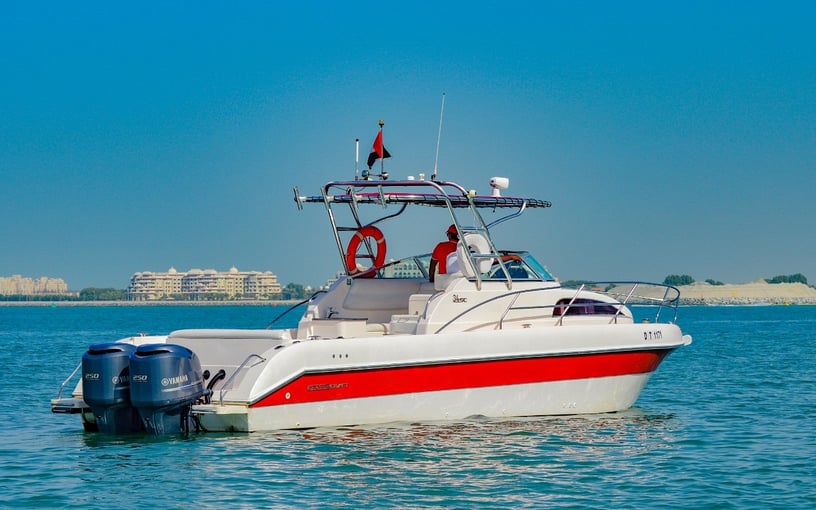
[(421, 192), (443, 194)]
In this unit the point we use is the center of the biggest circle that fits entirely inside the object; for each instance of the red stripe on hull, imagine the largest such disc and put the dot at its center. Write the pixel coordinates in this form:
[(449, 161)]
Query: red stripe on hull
[(457, 376)]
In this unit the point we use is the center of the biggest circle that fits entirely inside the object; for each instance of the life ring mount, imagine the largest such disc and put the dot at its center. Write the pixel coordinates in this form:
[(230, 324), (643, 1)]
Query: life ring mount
[(351, 251)]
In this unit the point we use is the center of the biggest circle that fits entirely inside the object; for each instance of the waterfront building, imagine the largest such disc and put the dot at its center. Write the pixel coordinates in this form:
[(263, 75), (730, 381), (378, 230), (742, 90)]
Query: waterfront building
[(17, 285), (208, 284), (333, 279), (405, 269), (149, 286)]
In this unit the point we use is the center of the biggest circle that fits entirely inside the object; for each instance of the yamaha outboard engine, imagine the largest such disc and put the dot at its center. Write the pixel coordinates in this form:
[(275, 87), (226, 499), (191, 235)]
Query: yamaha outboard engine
[(166, 380), (106, 387)]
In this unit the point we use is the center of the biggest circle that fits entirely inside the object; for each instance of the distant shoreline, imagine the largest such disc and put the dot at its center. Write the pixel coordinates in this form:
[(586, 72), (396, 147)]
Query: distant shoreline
[(49, 304), (755, 293), (746, 301)]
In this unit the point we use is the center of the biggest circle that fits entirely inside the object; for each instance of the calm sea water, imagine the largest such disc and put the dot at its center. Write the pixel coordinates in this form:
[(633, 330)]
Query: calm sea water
[(729, 422)]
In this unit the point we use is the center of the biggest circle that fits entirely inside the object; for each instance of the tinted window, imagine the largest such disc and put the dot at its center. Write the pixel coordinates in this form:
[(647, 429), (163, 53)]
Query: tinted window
[(583, 307)]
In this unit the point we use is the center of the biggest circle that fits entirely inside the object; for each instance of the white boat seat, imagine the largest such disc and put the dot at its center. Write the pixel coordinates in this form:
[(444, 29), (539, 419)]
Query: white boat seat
[(381, 294), (337, 328), (217, 346)]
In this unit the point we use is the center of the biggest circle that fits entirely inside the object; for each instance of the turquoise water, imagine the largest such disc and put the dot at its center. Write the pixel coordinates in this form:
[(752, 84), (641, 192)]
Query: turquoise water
[(728, 422)]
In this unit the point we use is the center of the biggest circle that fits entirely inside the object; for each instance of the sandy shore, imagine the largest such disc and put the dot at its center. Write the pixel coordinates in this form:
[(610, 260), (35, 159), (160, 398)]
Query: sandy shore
[(758, 292)]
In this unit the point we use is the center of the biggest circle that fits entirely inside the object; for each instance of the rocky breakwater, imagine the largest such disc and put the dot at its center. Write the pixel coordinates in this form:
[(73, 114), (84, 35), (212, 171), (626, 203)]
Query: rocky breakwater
[(758, 292)]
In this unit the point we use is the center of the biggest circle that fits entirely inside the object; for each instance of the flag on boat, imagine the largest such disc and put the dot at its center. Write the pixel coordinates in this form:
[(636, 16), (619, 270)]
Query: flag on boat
[(378, 150)]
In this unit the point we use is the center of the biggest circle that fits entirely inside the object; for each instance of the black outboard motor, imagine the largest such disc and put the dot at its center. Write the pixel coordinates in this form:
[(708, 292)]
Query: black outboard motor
[(106, 387), (166, 380)]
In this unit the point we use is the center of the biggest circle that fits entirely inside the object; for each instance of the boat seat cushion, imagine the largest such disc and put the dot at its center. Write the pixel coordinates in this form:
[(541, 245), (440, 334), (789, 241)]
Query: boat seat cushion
[(381, 294)]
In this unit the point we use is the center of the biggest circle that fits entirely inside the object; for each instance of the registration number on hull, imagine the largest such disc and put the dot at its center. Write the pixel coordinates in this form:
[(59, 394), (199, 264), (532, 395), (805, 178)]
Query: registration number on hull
[(653, 335)]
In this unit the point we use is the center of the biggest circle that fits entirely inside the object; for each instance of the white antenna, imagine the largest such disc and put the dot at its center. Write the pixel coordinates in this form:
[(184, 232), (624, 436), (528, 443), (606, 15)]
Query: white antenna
[(356, 157), (438, 138), (382, 147)]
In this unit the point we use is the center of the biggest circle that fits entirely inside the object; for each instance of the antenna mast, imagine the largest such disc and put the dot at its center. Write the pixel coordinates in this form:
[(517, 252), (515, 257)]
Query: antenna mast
[(356, 157), (438, 138), (383, 175)]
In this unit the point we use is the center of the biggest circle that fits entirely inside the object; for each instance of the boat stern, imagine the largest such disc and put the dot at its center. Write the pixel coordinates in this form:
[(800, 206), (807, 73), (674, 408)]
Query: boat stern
[(222, 417)]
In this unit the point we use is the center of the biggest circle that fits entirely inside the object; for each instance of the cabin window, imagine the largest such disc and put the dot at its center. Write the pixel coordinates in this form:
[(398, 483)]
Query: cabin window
[(583, 307)]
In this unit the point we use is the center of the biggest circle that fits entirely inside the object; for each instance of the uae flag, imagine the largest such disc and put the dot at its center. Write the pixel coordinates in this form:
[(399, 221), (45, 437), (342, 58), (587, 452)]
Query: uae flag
[(377, 151)]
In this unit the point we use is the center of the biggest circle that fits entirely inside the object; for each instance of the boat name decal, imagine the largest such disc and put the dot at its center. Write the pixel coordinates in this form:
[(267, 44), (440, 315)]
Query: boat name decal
[(653, 335), (457, 299), (166, 381), (327, 386)]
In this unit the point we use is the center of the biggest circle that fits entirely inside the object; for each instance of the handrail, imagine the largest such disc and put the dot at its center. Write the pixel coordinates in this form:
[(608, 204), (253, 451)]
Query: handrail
[(62, 386), (282, 314), (660, 303), (571, 304), (581, 289), (507, 310), (563, 314), (495, 298), (657, 317), (237, 370)]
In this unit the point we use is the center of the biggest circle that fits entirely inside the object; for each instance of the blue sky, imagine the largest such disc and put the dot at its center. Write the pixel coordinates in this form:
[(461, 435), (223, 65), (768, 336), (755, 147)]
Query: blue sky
[(670, 137)]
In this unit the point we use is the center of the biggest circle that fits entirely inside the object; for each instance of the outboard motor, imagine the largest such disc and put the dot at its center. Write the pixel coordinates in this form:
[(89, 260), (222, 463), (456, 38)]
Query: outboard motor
[(166, 380), (106, 387)]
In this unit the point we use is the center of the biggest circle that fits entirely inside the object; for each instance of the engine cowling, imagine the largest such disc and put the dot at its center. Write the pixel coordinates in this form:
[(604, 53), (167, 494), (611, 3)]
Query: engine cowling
[(166, 380), (106, 387)]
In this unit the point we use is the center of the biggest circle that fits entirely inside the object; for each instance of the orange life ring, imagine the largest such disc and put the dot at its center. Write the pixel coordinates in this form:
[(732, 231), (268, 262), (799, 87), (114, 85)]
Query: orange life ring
[(351, 252)]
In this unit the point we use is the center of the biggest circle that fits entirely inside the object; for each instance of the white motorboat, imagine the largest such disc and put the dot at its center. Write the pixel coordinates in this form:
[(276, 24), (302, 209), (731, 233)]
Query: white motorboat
[(500, 337)]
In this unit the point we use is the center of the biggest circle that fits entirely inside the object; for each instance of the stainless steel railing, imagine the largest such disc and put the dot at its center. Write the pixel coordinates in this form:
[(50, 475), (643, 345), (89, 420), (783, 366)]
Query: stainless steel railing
[(624, 294), (227, 384)]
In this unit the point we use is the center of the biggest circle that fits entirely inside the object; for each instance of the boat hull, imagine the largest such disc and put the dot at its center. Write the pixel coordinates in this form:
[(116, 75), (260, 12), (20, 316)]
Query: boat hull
[(415, 382), (581, 396)]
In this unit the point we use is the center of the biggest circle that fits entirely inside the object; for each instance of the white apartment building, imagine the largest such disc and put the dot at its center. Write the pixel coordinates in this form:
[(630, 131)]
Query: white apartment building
[(406, 269), (197, 284), (17, 285)]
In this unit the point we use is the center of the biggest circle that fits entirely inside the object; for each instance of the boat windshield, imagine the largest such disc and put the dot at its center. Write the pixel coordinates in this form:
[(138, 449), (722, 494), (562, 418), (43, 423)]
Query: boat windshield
[(520, 266), (537, 266)]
